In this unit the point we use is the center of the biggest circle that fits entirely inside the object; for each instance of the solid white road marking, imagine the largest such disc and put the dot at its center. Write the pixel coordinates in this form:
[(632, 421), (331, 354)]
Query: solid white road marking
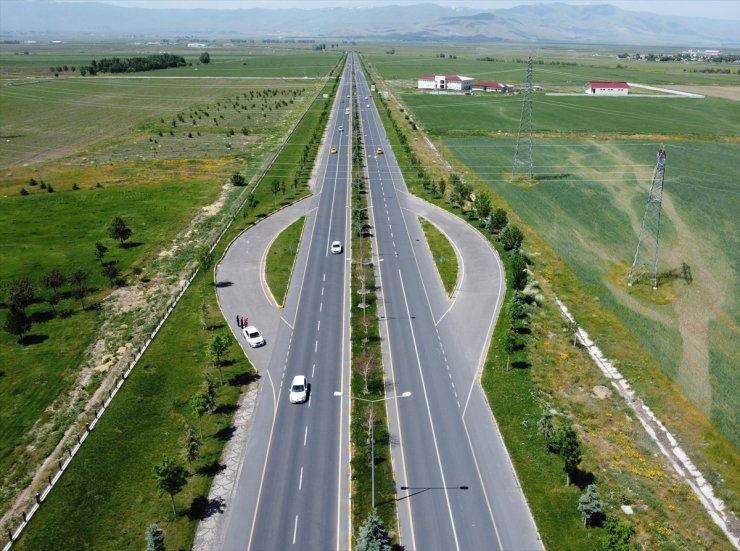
[(316, 346), (429, 412), (318, 326), (300, 480), (295, 528), (313, 368), (321, 306)]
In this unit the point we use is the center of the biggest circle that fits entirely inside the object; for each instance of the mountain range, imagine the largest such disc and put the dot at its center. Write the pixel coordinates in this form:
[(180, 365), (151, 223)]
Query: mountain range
[(535, 23)]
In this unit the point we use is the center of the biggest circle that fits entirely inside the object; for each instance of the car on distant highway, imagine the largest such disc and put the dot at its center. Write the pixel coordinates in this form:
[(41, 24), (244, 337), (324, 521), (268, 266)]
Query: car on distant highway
[(333, 150), (253, 336), (298, 389), (336, 247), (379, 151), (340, 128)]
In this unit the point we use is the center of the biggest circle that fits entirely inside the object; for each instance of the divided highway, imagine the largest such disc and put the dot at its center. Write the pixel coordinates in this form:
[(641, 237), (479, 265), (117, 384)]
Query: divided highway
[(456, 487)]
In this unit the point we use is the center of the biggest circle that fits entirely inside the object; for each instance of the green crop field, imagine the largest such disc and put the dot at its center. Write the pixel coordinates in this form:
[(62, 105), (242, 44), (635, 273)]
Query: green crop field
[(556, 66), (588, 115)]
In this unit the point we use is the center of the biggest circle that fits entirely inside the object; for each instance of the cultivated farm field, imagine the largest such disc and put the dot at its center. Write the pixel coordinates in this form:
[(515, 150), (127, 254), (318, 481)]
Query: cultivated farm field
[(589, 200)]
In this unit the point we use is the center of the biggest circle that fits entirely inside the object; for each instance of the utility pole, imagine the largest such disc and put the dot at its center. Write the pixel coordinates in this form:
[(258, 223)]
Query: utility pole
[(523, 151), (650, 228)]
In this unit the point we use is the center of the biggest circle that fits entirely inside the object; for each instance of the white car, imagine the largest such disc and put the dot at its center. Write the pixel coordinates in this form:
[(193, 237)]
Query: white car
[(298, 390), (254, 338), (340, 128), (336, 247)]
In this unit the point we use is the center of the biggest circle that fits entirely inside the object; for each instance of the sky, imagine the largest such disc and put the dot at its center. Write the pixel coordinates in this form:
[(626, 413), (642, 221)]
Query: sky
[(713, 9)]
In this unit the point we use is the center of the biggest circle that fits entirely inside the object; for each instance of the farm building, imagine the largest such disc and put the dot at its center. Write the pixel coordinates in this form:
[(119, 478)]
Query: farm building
[(445, 82), (491, 87), (608, 88)]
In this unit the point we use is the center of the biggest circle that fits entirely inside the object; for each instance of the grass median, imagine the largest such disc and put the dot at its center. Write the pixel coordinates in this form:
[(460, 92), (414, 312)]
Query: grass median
[(281, 258), (443, 254)]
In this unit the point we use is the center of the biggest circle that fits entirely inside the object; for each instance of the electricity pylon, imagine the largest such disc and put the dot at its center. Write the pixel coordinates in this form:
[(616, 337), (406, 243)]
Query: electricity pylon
[(523, 152), (650, 228)]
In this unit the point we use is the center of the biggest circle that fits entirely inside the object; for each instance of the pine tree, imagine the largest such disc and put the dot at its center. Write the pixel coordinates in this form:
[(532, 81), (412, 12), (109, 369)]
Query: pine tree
[(589, 505), (154, 538), (546, 428), (373, 536), (569, 448)]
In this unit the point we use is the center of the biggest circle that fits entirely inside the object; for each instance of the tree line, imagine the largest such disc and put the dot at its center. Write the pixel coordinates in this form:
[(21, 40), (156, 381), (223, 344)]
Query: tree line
[(135, 64)]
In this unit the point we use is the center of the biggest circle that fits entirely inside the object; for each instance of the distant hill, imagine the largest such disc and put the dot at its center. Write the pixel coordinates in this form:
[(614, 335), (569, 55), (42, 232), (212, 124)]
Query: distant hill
[(543, 23)]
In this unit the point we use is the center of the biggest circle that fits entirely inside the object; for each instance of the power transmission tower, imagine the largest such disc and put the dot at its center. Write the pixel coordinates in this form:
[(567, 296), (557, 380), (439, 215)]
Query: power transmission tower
[(523, 152), (650, 228)]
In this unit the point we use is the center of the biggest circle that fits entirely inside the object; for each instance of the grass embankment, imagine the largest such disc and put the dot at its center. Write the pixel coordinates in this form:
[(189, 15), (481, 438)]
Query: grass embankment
[(443, 254), (108, 495), (281, 258), (368, 377), (624, 463)]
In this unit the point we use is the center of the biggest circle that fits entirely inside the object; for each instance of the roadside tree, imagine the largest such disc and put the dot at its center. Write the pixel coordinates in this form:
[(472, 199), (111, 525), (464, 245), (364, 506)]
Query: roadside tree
[(21, 293), (171, 478), (17, 322), (589, 504), (373, 535), (119, 230), (53, 281), (154, 538), (80, 280), (216, 348), (100, 251), (569, 449), (199, 404)]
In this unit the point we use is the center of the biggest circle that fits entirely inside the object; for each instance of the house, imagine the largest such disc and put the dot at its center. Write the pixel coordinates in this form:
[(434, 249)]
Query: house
[(491, 87), (608, 88), (444, 82)]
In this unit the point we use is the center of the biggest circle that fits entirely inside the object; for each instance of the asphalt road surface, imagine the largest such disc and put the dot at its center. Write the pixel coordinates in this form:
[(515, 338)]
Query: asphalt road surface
[(456, 487), (292, 491)]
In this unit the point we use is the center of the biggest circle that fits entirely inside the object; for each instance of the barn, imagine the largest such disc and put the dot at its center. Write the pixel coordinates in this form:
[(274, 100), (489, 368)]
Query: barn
[(491, 87), (608, 88)]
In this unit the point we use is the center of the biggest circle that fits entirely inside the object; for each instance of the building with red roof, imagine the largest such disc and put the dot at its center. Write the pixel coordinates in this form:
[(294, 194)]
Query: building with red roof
[(491, 87), (608, 88), (445, 82)]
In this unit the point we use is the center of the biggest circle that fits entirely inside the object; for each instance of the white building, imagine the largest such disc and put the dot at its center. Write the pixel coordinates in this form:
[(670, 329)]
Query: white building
[(608, 88), (491, 87), (445, 82)]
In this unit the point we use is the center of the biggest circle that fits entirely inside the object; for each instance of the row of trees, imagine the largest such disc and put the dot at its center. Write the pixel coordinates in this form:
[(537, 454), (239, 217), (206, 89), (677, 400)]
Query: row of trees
[(22, 292), (135, 64)]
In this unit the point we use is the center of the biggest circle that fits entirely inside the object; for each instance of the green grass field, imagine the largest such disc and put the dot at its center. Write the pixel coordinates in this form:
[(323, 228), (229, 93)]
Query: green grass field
[(674, 118), (280, 259), (591, 218), (443, 254), (562, 66)]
